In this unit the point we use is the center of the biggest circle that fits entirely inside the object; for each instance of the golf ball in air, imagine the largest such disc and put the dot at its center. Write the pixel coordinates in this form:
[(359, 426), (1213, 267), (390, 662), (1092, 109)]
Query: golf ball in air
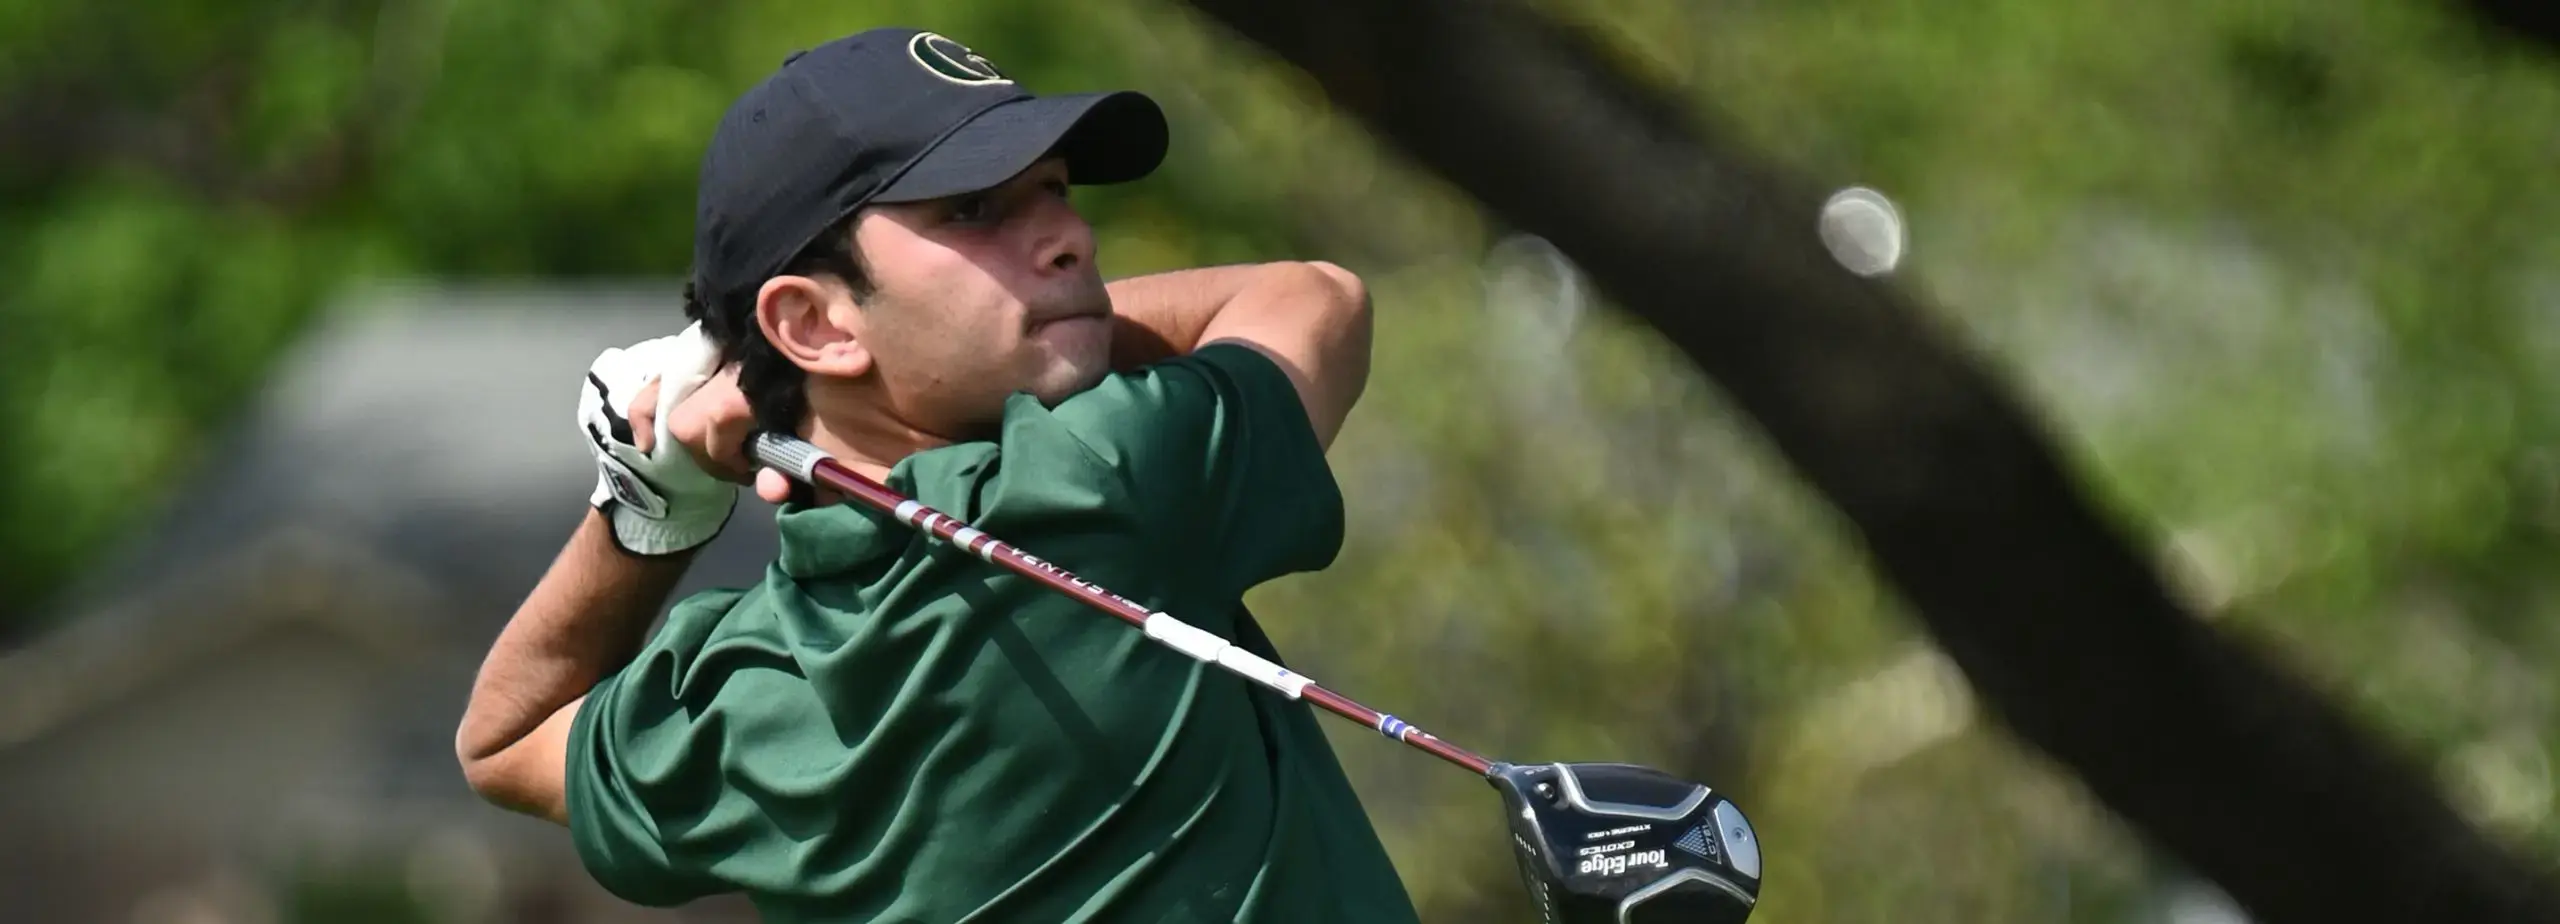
[(1863, 231)]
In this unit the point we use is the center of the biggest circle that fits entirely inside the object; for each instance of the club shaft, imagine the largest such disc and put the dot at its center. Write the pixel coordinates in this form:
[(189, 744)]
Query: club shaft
[(813, 466)]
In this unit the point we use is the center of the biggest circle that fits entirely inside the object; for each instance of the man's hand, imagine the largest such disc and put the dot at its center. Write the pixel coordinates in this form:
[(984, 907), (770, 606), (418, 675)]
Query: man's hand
[(713, 424), (659, 500)]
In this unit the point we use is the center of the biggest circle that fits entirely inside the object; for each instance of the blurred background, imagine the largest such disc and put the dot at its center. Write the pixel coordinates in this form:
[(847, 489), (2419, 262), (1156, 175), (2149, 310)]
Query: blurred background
[(294, 297)]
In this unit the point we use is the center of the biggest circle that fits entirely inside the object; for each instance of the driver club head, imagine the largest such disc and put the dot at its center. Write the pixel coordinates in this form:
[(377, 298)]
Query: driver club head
[(1623, 844)]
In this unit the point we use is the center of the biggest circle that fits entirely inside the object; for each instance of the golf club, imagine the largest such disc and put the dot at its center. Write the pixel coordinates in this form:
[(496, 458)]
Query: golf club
[(1595, 842)]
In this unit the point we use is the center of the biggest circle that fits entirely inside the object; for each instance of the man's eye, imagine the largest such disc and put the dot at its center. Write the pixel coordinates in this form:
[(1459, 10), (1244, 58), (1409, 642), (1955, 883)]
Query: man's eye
[(970, 209), (1056, 188)]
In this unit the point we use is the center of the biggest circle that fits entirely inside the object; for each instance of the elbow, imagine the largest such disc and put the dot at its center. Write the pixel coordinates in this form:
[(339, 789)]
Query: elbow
[(522, 773), (498, 779), (1345, 300), (484, 759), (484, 780), (1346, 297), (1344, 290), (481, 768)]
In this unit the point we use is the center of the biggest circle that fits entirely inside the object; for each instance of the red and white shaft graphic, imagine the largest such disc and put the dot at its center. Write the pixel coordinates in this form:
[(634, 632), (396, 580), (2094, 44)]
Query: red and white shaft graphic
[(813, 466)]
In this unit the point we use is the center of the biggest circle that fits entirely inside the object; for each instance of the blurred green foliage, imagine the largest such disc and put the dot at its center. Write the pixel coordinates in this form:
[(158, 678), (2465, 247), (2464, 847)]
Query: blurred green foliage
[(2280, 274)]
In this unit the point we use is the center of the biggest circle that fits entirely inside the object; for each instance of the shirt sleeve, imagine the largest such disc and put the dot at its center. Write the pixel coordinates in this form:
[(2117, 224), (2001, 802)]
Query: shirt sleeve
[(1215, 453), (636, 766)]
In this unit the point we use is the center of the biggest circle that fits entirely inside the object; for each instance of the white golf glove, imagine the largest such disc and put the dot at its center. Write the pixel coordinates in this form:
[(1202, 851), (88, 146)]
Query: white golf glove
[(659, 501)]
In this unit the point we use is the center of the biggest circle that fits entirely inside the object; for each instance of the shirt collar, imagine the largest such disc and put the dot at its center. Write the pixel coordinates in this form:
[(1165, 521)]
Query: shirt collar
[(823, 539), (836, 538)]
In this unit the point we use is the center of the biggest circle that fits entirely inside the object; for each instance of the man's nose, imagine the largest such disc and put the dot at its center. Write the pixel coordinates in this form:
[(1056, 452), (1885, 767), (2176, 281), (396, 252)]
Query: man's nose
[(1066, 239)]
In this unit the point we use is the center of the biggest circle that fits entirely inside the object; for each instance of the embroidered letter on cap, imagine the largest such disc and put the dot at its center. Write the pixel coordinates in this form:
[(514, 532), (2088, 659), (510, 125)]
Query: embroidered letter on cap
[(953, 61)]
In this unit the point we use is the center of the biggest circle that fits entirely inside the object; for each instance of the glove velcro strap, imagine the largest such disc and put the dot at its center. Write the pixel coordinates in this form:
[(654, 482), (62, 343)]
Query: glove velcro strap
[(617, 482)]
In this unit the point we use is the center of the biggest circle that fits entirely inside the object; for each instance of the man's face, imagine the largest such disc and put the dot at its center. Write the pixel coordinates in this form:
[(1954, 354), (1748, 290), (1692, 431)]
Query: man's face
[(979, 296)]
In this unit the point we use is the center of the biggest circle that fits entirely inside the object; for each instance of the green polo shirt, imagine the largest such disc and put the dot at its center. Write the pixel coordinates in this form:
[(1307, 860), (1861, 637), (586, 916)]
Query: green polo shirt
[(889, 729)]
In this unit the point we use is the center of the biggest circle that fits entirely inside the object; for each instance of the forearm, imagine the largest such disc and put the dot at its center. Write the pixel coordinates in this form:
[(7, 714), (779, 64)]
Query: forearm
[(1312, 319), (1163, 315), (586, 617)]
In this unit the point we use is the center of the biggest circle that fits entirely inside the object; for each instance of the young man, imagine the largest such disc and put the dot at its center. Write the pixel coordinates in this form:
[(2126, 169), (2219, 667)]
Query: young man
[(886, 729)]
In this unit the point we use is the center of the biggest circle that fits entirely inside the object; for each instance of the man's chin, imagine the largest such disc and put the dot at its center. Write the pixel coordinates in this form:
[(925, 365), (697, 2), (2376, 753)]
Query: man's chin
[(1068, 377)]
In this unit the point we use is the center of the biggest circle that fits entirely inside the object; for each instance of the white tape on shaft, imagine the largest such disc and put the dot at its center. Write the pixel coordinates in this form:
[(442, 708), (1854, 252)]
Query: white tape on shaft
[(1206, 646), (1184, 637), (1268, 674)]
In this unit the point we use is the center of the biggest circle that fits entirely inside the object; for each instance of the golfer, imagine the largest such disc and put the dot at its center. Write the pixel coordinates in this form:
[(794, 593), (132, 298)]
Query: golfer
[(884, 728)]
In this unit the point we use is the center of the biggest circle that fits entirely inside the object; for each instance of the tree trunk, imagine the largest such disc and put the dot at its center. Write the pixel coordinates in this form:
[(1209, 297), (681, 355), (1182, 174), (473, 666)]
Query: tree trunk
[(2530, 20), (2198, 741)]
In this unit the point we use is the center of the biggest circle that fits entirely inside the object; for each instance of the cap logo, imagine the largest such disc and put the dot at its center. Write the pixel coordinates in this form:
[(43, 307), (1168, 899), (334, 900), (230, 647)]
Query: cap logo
[(953, 61)]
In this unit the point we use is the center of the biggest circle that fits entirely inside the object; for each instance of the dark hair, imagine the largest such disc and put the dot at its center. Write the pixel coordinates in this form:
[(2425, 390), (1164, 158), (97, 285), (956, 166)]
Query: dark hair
[(776, 389)]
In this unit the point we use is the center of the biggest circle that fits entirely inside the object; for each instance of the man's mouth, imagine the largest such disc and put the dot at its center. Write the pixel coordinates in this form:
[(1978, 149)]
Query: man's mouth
[(1036, 326)]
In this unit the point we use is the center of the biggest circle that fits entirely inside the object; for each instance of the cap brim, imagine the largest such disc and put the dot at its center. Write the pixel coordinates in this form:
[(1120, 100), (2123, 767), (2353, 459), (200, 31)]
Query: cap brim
[(1105, 138)]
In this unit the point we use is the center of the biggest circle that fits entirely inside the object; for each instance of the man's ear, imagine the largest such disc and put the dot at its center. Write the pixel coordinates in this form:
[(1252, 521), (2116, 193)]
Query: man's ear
[(815, 324)]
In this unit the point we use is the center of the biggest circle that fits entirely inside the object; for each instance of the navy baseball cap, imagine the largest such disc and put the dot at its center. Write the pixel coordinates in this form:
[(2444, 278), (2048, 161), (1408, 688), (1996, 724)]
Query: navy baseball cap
[(888, 115)]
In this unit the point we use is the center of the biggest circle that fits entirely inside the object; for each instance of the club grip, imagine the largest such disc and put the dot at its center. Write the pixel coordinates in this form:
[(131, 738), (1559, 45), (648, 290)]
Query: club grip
[(789, 454)]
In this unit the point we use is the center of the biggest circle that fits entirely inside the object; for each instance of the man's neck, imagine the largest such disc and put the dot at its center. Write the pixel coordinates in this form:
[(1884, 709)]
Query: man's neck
[(871, 451), (862, 434)]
